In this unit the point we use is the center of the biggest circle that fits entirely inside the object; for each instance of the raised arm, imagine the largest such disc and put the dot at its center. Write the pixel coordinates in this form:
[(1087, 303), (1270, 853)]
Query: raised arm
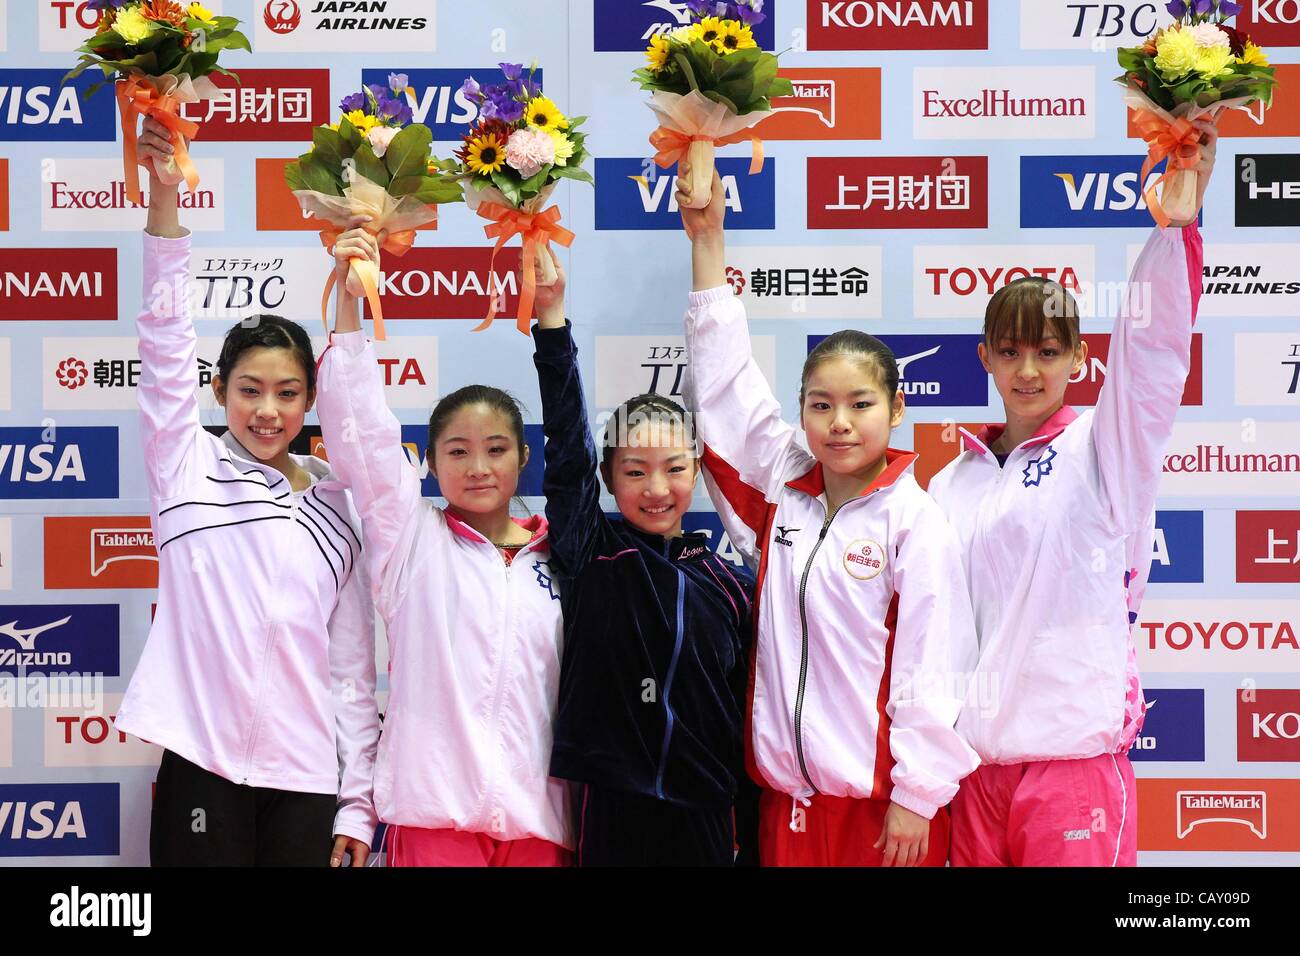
[(569, 482), (1146, 370), (748, 449), (364, 441), (169, 409)]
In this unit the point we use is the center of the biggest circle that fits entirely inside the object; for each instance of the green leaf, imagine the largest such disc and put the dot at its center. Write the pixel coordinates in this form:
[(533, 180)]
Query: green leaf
[(573, 172), (370, 165), (437, 190), (508, 185), (534, 183), (408, 153), (350, 135), (720, 98), (293, 176), (682, 61), (328, 149), (318, 178)]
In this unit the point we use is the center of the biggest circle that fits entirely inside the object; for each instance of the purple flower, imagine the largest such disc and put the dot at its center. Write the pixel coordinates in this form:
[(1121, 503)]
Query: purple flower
[(511, 70), (699, 8), (395, 111), (102, 5), (1176, 7), (1202, 6), (353, 101), (501, 105), (1228, 8), (397, 82), (750, 15), (471, 89)]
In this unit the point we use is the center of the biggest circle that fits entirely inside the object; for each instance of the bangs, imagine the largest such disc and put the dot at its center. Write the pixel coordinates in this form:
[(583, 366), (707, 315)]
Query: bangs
[(1031, 310)]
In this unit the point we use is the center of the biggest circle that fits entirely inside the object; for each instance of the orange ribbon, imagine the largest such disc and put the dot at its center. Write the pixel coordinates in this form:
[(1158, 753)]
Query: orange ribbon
[(396, 243), (1179, 142), (136, 97), (670, 146), (537, 229)]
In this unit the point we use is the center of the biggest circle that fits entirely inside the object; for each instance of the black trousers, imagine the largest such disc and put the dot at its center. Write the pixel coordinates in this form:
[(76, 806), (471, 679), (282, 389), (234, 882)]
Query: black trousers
[(618, 828), (202, 819)]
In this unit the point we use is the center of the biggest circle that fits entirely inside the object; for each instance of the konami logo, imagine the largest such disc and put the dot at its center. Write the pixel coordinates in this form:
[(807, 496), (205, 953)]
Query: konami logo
[(1085, 385), (897, 192), (448, 282), (1268, 547), (1268, 725), (1218, 636), (89, 195), (1004, 102), (898, 25), (957, 281), (102, 551), (1271, 22), (264, 105), (58, 285), (1218, 815), (830, 103)]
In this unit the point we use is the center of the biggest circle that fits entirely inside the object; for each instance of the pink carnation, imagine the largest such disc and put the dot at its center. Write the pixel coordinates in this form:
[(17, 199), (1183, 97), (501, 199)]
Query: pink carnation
[(528, 150), (380, 136)]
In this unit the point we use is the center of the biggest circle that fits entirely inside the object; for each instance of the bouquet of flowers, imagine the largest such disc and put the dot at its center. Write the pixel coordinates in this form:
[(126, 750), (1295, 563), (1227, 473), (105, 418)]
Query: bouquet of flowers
[(162, 55), (511, 159), (711, 85), (374, 162), (1197, 66)]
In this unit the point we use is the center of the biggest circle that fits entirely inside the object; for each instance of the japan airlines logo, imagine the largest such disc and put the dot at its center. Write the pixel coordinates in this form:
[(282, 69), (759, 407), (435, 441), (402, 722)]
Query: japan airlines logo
[(1040, 467), (26, 637), (282, 16)]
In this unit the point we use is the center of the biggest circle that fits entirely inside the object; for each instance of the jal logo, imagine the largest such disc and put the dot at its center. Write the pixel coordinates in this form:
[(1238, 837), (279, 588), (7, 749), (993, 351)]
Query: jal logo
[(898, 24), (1267, 190), (100, 551), (1039, 468), (438, 101), (36, 107), (864, 559), (1268, 725), (59, 639), (1064, 25), (897, 192), (67, 462), (281, 16), (59, 819), (265, 105), (1085, 385), (1178, 548), (1255, 278), (1174, 726), (1271, 22), (1084, 192), (832, 103), (628, 25), (58, 285), (1268, 547), (635, 194)]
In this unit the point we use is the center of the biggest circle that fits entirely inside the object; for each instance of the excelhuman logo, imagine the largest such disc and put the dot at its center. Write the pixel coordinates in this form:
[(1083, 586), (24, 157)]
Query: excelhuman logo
[(129, 910)]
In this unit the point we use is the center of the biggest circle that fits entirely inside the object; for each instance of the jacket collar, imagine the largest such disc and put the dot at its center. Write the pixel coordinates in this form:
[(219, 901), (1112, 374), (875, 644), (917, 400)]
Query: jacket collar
[(983, 442), (684, 547), (535, 524), (897, 464), (318, 468)]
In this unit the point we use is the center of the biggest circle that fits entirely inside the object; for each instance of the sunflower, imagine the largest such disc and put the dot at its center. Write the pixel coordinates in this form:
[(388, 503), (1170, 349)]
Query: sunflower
[(711, 31), (485, 155), (657, 53), (736, 36), (542, 114), (1252, 55), (164, 11), (362, 122)]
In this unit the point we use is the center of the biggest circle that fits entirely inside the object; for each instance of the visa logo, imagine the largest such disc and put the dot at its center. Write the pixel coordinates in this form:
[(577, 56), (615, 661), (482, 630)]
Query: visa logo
[(1084, 192), (58, 463), (1178, 555), (59, 819), (34, 106), (438, 102), (636, 194)]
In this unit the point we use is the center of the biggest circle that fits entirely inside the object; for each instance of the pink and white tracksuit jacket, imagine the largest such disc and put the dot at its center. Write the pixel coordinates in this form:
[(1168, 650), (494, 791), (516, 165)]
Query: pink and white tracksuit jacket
[(260, 663), (474, 643), (864, 629), (1057, 542)]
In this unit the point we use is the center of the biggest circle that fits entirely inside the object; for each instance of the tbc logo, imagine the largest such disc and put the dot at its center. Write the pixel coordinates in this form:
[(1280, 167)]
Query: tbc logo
[(1244, 807), (282, 16), (59, 819)]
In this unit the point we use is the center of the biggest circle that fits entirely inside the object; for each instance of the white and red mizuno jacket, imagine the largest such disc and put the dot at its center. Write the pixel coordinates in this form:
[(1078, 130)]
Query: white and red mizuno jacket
[(864, 629), (1057, 543), (260, 663), (474, 644)]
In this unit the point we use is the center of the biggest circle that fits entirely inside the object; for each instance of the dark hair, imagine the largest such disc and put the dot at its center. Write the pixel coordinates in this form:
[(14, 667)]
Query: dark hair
[(493, 398), (648, 405), (850, 343), (1029, 310), (267, 332)]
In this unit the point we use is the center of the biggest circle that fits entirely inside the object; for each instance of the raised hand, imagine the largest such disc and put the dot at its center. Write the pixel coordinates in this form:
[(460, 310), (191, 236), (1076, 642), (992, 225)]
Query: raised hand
[(707, 220), (1205, 168)]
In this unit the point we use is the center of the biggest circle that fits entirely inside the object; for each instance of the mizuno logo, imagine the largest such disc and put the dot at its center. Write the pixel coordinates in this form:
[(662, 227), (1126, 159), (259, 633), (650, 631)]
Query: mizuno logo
[(903, 362), (26, 638), (783, 535)]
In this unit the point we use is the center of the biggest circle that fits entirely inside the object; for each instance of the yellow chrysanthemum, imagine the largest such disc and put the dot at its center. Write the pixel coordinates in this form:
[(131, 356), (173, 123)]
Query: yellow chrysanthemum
[(132, 25), (199, 12), (657, 52), (1213, 61), (685, 35), (711, 31), (486, 154), (363, 122), (563, 146), (736, 36), (1175, 53), (541, 113), (1252, 55)]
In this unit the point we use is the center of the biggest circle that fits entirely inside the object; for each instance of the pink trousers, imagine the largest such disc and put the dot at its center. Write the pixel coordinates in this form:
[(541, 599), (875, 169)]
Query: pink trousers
[(1047, 813), (413, 846)]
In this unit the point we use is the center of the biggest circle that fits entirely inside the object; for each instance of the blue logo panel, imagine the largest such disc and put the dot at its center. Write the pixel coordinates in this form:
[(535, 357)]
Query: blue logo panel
[(1179, 555), (60, 639), (34, 107), (1174, 728), (60, 819), (439, 103), (936, 369), (1083, 192), (623, 202), (77, 463), (628, 25)]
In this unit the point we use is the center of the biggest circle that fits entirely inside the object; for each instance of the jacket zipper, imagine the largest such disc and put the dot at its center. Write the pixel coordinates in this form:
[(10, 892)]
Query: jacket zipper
[(668, 684), (803, 661)]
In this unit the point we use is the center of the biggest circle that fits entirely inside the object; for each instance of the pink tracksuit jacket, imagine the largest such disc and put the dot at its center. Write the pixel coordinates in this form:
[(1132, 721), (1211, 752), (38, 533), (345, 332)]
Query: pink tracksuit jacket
[(1057, 543), (864, 627), (474, 643)]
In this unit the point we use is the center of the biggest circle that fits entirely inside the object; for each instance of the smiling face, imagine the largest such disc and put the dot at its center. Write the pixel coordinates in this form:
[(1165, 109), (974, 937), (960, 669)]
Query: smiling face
[(652, 478), (477, 460), (1032, 378), (266, 399), (848, 416)]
